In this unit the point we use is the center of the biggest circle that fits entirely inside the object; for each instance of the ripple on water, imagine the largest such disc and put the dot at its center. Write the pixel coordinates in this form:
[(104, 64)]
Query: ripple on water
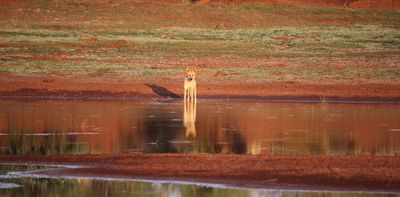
[(49, 134), (272, 117), (9, 185)]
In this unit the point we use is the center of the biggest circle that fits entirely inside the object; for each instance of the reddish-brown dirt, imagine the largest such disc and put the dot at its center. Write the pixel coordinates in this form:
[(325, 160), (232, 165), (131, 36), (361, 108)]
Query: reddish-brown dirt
[(382, 4), (323, 172), (98, 84), (54, 86)]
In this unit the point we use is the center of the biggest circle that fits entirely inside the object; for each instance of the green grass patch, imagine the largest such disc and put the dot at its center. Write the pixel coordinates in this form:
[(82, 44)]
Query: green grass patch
[(265, 74), (189, 42), (137, 48)]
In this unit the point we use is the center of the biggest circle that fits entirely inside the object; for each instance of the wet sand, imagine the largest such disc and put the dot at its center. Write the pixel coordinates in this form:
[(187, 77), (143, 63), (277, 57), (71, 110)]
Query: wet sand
[(366, 173), (342, 93), (314, 91)]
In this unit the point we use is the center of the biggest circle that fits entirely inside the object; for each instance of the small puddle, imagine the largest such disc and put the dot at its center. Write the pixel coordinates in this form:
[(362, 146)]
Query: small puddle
[(28, 181)]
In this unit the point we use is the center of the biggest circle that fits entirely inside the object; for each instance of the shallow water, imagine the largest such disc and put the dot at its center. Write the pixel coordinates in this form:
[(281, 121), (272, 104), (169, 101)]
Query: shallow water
[(93, 187), (29, 185), (59, 127)]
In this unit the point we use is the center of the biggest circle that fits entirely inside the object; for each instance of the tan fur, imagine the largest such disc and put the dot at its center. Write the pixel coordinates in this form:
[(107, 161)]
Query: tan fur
[(190, 85), (189, 115)]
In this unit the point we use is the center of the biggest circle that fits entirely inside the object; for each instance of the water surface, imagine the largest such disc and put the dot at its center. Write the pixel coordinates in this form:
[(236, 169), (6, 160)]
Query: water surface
[(25, 185), (45, 127)]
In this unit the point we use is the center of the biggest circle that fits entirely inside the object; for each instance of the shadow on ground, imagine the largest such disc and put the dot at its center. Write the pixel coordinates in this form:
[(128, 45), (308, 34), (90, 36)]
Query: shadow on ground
[(162, 91)]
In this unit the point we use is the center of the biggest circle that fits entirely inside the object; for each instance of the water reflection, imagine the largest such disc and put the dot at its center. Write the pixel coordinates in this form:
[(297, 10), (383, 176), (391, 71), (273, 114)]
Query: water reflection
[(60, 127), (26, 185), (93, 187), (159, 129), (189, 117)]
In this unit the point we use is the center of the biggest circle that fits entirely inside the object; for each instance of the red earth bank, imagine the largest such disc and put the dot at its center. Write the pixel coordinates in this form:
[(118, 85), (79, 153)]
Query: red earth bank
[(311, 172)]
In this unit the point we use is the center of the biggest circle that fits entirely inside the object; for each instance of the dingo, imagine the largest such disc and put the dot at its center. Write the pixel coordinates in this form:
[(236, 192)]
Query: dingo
[(190, 85)]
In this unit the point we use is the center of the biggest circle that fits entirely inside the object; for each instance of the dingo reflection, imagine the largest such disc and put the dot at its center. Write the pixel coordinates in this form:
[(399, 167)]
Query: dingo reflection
[(189, 118)]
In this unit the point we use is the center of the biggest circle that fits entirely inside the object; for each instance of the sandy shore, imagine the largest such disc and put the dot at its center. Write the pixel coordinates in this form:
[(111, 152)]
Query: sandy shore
[(370, 173), (39, 87)]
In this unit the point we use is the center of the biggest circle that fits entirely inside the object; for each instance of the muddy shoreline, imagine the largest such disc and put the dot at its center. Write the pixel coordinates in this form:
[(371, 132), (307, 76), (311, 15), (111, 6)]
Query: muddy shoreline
[(46, 87), (275, 92), (127, 96), (354, 173)]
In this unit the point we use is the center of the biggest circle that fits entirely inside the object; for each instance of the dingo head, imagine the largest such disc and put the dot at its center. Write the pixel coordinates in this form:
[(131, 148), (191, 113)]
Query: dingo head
[(191, 73)]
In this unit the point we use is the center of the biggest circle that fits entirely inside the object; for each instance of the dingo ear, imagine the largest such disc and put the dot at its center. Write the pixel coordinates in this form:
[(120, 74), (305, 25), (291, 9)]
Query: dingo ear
[(188, 69), (195, 69)]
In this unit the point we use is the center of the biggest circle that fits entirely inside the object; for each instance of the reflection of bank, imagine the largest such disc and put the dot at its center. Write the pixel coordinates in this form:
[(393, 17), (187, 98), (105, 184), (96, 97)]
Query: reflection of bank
[(97, 127), (159, 132), (66, 127), (209, 131), (189, 118)]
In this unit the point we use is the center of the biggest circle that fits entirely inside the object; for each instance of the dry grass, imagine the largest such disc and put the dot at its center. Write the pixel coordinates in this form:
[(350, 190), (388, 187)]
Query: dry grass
[(252, 42)]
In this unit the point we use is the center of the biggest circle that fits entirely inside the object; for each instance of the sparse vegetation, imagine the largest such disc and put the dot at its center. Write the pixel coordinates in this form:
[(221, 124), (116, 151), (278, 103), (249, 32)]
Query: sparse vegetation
[(252, 43), (131, 54)]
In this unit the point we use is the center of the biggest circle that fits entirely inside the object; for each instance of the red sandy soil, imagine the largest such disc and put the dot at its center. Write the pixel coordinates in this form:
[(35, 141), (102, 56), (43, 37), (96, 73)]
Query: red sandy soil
[(59, 86), (310, 172), (381, 4), (63, 87)]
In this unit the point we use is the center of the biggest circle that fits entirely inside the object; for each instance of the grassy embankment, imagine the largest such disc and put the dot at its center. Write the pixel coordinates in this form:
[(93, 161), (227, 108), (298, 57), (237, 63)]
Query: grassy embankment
[(251, 42)]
